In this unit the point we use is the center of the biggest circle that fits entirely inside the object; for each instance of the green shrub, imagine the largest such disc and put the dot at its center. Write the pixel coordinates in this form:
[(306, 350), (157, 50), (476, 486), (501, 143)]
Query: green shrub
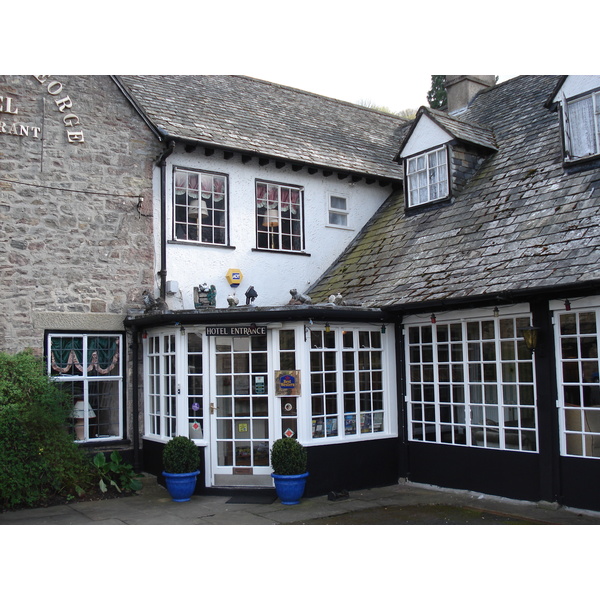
[(38, 459), (115, 473), (181, 455), (288, 457)]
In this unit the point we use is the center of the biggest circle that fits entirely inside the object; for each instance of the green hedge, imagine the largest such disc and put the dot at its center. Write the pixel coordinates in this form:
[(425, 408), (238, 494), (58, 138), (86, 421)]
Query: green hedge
[(38, 459)]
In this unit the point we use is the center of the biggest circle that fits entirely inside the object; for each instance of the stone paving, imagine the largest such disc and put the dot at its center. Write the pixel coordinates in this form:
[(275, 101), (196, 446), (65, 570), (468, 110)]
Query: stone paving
[(401, 504)]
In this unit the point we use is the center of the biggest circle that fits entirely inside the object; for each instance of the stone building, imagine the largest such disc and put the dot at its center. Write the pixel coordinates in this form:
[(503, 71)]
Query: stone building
[(76, 166)]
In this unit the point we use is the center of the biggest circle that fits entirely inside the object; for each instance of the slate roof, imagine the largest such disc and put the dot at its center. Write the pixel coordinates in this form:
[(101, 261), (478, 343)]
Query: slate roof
[(461, 129), (523, 221), (250, 115)]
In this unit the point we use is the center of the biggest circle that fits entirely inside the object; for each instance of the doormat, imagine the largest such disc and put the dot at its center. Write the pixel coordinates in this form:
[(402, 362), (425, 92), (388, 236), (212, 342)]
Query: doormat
[(251, 499)]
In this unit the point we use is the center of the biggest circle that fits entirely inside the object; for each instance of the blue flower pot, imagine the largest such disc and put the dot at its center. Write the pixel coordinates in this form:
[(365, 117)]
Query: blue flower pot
[(290, 488), (181, 486)]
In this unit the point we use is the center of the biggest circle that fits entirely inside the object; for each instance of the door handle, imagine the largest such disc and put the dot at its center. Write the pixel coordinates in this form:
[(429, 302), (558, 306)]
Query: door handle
[(212, 408)]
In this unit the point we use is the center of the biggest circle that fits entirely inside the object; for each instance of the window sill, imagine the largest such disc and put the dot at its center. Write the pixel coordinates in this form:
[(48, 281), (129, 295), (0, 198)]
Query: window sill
[(581, 164), (203, 244), (275, 251), (164, 440), (344, 227), (314, 442), (411, 210), (93, 442)]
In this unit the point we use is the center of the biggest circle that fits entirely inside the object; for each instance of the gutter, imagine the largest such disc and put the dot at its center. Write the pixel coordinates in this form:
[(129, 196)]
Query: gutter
[(506, 297), (321, 313)]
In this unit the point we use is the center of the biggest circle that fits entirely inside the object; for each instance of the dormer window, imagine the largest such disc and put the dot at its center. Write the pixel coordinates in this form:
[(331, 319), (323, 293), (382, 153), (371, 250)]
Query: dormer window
[(582, 126), (427, 176)]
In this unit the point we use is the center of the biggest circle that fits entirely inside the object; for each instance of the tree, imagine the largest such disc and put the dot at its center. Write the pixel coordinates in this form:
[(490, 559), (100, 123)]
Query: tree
[(436, 96), (406, 113)]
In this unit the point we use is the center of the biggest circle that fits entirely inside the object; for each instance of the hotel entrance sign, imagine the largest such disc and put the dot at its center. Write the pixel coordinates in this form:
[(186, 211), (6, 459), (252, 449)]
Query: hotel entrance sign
[(237, 330)]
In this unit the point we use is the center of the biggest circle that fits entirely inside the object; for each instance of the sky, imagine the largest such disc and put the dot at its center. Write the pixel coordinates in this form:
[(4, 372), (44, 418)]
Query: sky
[(380, 51)]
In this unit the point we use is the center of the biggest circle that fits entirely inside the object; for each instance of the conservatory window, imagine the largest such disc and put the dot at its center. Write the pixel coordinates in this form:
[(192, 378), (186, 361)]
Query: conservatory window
[(279, 217), (471, 383), (89, 367), (161, 398), (200, 206), (578, 382), (346, 380), (427, 176)]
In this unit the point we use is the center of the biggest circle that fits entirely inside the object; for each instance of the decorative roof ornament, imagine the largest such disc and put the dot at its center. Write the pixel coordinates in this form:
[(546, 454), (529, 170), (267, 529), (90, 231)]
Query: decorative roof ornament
[(233, 300), (298, 298), (152, 304), (251, 295)]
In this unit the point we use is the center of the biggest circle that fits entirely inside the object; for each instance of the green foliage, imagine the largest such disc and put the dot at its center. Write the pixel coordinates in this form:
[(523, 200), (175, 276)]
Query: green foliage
[(181, 455), (437, 96), (116, 473), (288, 457), (38, 459)]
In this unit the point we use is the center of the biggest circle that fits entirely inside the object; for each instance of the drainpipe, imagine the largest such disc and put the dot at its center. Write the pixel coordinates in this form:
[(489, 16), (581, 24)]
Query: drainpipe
[(162, 163), (135, 390)]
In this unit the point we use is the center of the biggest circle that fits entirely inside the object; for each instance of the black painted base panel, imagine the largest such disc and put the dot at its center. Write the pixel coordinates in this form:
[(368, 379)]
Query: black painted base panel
[(580, 483), (495, 472), (335, 467)]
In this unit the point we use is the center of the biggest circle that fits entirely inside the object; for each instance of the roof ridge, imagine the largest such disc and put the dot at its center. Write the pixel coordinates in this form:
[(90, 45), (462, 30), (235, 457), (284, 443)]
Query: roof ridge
[(322, 96)]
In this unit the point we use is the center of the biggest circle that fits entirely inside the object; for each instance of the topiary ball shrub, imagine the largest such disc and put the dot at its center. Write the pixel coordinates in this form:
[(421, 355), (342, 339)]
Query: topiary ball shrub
[(181, 455), (288, 457)]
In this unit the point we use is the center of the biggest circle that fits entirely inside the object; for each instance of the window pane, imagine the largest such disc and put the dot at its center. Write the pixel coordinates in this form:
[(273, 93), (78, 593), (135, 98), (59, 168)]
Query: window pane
[(582, 127), (89, 369)]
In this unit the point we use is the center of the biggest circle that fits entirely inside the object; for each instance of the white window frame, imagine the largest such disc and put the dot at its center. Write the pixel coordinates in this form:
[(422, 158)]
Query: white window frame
[(336, 212), (575, 129), (470, 421), (426, 176), (167, 397), (576, 343), (340, 419), (279, 216), (87, 370), (162, 352), (196, 211)]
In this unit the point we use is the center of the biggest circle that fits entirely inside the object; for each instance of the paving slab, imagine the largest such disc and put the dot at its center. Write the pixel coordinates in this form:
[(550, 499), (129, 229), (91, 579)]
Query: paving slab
[(401, 504)]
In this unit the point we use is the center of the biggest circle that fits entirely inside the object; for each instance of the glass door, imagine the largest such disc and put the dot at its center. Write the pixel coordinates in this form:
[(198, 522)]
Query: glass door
[(239, 412)]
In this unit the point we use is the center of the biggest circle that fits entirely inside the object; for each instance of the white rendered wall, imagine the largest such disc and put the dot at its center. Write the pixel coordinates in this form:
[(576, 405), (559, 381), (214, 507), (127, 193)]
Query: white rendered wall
[(578, 84), (425, 136), (272, 274)]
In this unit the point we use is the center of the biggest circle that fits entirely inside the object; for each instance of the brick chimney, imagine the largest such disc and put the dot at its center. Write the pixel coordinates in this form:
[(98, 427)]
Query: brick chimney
[(461, 89)]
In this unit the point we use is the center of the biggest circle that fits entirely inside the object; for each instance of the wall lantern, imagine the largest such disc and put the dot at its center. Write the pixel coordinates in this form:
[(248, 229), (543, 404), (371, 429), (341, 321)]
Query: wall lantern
[(327, 328), (530, 335)]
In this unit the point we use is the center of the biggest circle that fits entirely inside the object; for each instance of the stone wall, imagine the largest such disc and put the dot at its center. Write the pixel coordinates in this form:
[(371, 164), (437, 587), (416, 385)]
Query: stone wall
[(77, 244)]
